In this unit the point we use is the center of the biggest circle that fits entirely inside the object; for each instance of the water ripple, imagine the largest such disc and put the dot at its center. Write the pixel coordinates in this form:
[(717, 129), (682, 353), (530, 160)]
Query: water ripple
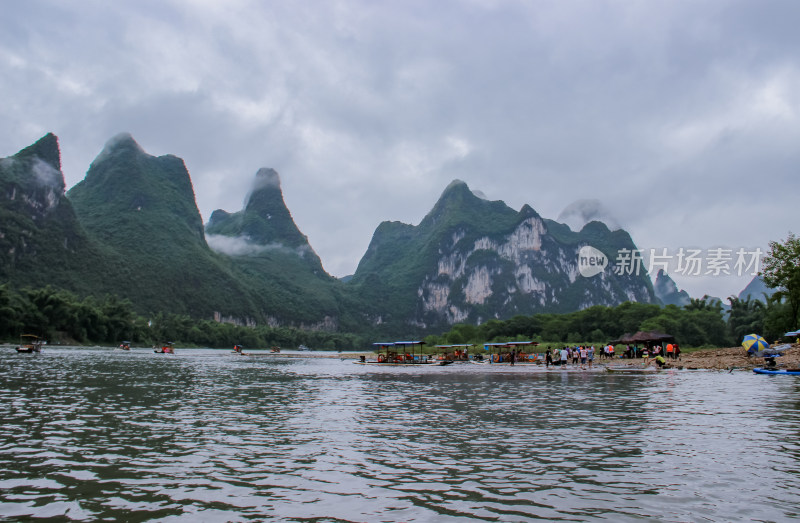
[(105, 435)]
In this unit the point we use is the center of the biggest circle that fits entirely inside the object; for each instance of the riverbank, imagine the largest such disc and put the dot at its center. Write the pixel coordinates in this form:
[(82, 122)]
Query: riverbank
[(735, 357), (726, 358)]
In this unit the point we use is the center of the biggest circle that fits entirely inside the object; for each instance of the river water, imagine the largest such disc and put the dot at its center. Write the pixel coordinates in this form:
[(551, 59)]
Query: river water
[(92, 435)]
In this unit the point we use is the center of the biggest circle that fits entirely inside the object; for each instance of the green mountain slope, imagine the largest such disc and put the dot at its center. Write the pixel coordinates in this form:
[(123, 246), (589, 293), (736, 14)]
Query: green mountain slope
[(272, 255), (41, 240), (143, 209)]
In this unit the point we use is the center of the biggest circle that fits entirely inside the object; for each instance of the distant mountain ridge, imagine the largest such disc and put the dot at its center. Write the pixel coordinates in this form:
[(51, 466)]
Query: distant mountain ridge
[(471, 260), (132, 227), (756, 290), (667, 290)]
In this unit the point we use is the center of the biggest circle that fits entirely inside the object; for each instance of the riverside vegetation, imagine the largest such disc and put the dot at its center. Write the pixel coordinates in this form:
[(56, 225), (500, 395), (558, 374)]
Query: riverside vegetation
[(61, 316)]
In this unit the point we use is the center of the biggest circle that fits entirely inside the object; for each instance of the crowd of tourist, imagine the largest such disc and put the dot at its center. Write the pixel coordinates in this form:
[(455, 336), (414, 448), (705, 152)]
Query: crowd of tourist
[(584, 355)]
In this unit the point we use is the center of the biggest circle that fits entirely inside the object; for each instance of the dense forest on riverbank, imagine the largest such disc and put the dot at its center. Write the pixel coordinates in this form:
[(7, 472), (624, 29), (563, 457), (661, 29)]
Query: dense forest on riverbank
[(61, 317), (701, 323)]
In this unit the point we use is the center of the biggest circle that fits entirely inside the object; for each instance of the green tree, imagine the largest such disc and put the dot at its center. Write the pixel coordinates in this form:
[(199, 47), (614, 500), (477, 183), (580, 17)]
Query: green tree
[(782, 272), (746, 316), (8, 314)]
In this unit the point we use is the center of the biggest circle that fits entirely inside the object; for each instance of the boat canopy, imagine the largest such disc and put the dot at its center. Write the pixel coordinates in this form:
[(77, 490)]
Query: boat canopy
[(400, 344), (509, 344)]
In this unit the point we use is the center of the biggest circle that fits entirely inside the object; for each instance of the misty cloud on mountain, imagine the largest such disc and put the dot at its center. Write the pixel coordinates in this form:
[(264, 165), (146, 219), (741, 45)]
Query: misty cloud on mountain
[(242, 246), (580, 212)]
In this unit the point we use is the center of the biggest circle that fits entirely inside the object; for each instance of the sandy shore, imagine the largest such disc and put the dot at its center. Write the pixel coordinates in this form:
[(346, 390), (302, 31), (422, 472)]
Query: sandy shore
[(712, 359), (736, 357)]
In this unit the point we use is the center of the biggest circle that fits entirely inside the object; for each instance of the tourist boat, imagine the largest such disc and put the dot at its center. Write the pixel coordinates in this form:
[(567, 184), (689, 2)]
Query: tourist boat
[(501, 353), (125, 345), (275, 350), (304, 348), (30, 343), (167, 348), (457, 353), (401, 353), (789, 372)]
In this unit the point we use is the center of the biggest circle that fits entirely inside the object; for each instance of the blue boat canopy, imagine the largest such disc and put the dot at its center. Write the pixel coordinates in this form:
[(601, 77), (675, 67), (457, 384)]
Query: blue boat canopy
[(486, 346)]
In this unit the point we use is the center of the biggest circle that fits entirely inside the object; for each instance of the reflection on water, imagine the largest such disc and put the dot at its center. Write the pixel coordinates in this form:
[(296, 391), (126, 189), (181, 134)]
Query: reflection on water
[(210, 436)]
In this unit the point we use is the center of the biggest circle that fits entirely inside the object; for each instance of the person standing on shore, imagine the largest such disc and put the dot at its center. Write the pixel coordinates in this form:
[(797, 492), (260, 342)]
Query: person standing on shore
[(548, 358), (564, 357), (590, 355)]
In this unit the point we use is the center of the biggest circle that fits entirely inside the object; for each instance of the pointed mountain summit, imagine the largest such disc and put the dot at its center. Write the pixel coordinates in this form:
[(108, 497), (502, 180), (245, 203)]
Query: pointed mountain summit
[(756, 290), (265, 219), (41, 240), (471, 259), (127, 192), (143, 208), (266, 246), (46, 149)]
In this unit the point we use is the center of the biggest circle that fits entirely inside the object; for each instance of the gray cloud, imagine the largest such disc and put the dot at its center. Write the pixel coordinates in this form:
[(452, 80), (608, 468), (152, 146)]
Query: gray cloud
[(681, 118)]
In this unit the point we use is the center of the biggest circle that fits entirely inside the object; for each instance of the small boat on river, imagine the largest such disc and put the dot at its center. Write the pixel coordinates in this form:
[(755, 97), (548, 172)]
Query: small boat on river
[(785, 372), (401, 353), (125, 345), (167, 348), (30, 343)]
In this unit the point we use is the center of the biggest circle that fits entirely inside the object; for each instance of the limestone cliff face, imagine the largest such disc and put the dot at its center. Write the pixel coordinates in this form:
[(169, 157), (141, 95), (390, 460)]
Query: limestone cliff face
[(471, 260)]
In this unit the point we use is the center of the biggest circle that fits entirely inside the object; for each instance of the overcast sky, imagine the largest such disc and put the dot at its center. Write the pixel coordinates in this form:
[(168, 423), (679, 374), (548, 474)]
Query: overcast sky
[(680, 119)]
